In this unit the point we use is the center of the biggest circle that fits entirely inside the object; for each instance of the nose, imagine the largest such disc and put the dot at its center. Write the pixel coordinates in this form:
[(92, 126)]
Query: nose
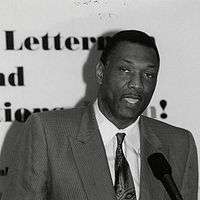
[(135, 82)]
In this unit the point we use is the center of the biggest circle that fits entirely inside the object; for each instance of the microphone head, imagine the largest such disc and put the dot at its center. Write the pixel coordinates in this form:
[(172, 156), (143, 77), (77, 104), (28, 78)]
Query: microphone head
[(159, 165)]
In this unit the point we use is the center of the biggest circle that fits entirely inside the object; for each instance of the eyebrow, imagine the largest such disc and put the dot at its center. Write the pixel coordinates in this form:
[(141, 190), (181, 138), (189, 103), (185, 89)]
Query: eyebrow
[(128, 61)]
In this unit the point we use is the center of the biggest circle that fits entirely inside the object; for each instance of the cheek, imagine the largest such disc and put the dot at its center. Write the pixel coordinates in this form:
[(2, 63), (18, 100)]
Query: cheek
[(113, 92), (119, 81), (115, 84), (118, 85), (149, 89)]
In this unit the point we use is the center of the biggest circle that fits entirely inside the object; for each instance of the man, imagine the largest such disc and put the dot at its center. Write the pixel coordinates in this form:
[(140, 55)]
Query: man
[(100, 152)]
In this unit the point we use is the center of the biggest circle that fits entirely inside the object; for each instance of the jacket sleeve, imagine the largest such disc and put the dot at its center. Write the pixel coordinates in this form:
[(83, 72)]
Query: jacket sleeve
[(190, 179), (28, 178)]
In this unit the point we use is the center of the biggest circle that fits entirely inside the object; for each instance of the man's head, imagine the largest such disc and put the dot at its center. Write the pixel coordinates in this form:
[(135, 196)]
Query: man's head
[(127, 75)]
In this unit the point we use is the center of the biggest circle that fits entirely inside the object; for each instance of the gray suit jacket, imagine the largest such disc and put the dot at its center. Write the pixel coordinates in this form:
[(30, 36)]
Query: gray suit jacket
[(61, 156)]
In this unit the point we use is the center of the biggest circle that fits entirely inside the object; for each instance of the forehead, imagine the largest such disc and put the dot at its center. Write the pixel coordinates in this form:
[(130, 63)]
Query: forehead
[(134, 52)]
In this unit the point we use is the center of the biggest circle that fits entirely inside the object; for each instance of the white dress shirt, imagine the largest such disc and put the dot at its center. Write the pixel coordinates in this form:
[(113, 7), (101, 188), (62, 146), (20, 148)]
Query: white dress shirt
[(131, 145)]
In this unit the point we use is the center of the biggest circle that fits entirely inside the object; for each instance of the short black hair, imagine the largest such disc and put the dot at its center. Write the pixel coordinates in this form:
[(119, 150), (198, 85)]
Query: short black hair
[(133, 36)]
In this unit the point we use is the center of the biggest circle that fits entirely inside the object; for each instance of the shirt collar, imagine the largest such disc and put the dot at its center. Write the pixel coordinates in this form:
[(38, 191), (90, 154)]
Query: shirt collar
[(108, 130)]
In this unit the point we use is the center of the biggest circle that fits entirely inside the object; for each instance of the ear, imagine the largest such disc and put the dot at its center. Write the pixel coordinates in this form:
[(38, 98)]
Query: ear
[(99, 72)]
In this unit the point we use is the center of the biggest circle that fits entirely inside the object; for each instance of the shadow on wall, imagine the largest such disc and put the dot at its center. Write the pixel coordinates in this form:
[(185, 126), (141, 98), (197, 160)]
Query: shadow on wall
[(89, 75), (8, 157)]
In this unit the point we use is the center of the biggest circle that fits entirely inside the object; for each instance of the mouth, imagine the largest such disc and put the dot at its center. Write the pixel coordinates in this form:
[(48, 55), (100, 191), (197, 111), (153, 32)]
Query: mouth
[(131, 100)]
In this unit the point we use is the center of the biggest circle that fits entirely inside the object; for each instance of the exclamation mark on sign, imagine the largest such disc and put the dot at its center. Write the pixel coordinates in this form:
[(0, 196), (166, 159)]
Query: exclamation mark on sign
[(163, 105)]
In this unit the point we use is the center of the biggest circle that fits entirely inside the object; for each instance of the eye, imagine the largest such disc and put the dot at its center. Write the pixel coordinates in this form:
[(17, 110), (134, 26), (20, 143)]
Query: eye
[(124, 69), (149, 75)]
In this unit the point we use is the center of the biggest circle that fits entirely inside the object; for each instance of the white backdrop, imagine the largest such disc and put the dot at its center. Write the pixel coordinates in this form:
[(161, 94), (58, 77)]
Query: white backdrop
[(56, 72)]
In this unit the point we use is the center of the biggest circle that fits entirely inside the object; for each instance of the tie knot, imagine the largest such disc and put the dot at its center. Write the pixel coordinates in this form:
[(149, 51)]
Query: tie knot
[(120, 138)]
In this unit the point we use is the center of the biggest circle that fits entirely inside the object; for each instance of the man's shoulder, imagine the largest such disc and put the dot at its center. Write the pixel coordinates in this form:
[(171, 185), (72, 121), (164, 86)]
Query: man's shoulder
[(59, 119), (59, 114), (166, 131)]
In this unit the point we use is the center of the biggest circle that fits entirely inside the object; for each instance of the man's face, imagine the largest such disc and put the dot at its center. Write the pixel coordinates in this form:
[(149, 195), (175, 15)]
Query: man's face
[(129, 80)]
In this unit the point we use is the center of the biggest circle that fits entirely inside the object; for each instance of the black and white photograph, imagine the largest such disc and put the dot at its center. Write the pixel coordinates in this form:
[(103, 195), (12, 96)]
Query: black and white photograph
[(99, 100)]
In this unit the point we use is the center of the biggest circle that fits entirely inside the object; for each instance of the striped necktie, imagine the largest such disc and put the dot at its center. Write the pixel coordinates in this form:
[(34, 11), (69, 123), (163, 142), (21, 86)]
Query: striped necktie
[(124, 185)]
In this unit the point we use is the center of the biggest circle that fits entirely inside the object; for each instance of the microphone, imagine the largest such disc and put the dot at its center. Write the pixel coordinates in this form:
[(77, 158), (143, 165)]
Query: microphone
[(163, 172)]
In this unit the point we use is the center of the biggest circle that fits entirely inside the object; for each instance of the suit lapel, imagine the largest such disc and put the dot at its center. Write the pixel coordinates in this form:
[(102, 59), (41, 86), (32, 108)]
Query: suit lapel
[(90, 157), (91, 161), (150, 187)]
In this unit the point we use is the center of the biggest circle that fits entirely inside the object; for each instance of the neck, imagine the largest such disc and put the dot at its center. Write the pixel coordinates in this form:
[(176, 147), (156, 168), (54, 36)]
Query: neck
[(120, 123)]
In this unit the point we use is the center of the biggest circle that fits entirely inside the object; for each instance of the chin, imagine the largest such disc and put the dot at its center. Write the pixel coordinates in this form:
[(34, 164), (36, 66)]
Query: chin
[(126, 114)]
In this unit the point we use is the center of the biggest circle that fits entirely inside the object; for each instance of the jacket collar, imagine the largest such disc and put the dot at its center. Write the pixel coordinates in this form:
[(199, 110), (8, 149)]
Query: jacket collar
[(88, 126), (90, 158), (94, 168)]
